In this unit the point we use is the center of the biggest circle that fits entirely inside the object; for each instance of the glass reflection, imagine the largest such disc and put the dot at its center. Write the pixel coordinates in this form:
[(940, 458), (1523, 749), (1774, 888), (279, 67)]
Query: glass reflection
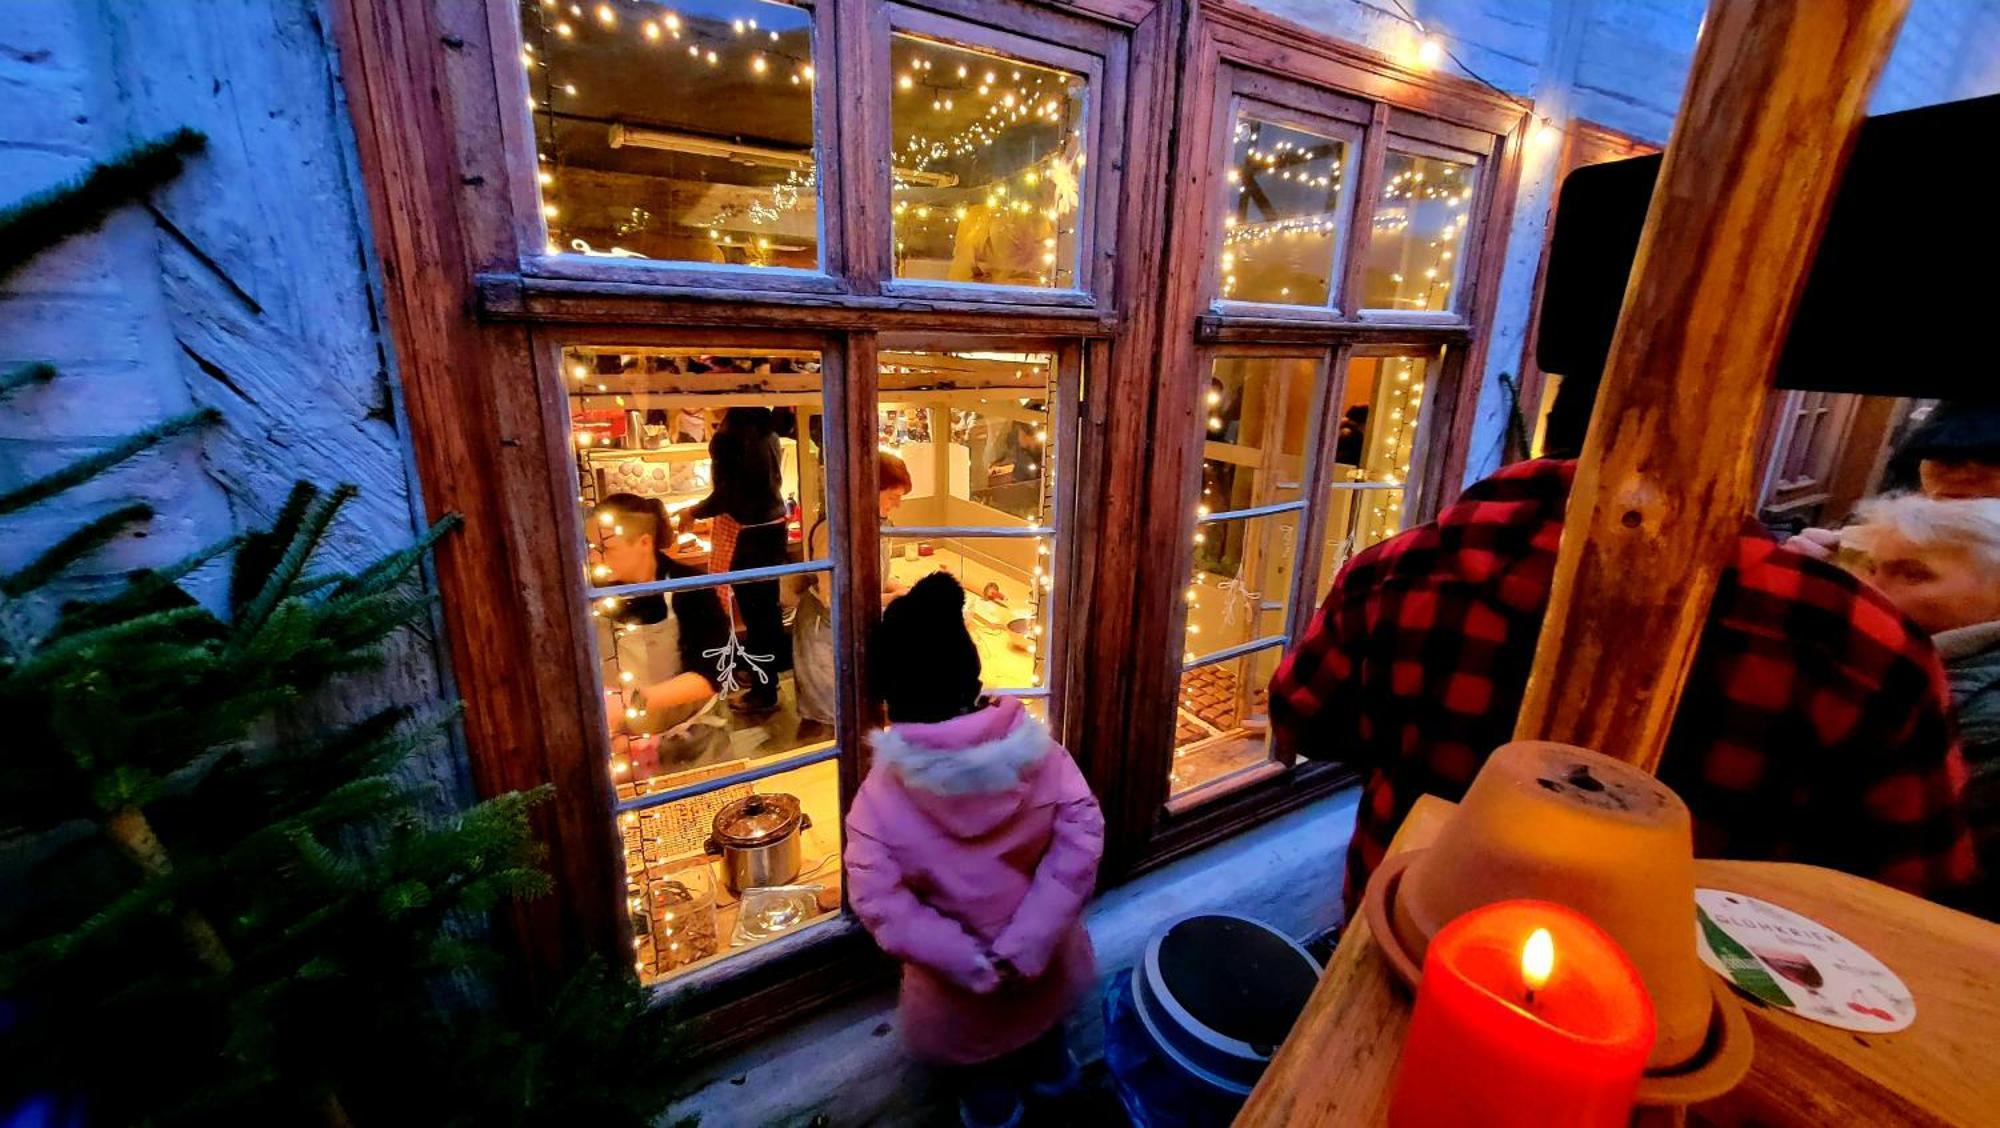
[(1417, 236), (680, 132), (988, 166)]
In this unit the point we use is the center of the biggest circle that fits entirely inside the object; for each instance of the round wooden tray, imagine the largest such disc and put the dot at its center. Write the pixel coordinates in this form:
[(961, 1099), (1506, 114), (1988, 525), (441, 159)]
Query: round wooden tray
[(1718, 1068)]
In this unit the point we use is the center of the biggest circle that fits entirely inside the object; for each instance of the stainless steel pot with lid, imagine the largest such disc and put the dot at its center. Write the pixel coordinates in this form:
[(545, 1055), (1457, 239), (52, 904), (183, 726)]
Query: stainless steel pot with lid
[(758, 839)]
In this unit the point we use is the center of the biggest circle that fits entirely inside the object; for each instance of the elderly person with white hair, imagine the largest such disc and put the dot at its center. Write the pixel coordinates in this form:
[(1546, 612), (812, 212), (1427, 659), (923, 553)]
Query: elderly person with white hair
[(1939, 561)]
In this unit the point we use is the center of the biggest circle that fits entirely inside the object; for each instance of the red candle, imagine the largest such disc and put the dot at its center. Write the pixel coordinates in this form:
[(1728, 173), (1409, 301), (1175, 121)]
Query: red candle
[(1528, 1014)]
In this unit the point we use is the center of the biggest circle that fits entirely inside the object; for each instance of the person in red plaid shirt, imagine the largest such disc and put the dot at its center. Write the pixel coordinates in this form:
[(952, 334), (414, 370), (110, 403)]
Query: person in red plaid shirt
[(1813, 727)]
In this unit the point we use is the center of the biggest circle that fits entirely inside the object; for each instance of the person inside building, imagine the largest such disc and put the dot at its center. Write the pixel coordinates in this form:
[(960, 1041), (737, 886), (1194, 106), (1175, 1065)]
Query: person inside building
[(1813, 726), (812, 626), (1954, 455), (1939, 561), (747, 504), (659, 678)]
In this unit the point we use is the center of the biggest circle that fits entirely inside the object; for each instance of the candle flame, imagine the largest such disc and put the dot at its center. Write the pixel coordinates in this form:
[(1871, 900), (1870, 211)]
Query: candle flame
[(1538, 958)]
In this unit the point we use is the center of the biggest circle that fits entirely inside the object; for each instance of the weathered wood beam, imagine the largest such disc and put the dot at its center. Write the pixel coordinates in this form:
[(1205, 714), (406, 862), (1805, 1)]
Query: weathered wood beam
[(1777, 91)]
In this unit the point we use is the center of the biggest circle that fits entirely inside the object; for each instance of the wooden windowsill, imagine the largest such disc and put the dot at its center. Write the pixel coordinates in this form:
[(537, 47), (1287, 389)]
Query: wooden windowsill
[(515, 297), (1239, 329)]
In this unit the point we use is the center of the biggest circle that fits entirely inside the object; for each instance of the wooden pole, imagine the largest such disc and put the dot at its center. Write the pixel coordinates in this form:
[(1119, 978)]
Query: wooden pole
[(1777, 91)]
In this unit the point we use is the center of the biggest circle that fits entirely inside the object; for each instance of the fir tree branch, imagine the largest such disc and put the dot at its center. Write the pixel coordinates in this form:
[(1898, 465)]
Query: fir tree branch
[(47, 218), (22, 375), (74, 547), (252, 616), (84, 469), (142, 593)]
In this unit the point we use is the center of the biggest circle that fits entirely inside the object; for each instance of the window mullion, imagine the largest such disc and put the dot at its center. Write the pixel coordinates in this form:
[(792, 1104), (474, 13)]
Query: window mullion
[(1374, 150), (853, 508)]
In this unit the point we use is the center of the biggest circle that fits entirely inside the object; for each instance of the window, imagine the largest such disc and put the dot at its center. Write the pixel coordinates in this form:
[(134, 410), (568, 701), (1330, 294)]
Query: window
[(1283, 221), (993, 170), (1345, 243), (1416, 232), (979, 436), (821, 297), (701, 479), (681, 132), (1246, 543), (989, 163)]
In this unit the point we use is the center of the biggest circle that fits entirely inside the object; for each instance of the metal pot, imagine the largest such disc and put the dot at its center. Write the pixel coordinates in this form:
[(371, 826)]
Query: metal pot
[(758, 838)]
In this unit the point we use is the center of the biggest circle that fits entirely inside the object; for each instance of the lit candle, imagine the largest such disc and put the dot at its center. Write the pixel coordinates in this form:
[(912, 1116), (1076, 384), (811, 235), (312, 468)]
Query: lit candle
[(1528, 1014)]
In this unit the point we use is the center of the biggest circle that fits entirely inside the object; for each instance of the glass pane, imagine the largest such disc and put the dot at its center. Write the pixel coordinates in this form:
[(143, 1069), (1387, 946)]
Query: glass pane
[(1282, 222), (975, 435), (679, 132), (651, 424), (988, 166), (1242, 581), (1009, 587), (1379, 412), (1357, 517), (683, 911), (1257, 422), (1373, 451), (1222, 720), (1418, 233)]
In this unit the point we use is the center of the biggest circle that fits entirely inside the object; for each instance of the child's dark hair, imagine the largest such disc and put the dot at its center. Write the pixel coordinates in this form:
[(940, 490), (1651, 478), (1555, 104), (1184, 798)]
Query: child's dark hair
[(922, 661)]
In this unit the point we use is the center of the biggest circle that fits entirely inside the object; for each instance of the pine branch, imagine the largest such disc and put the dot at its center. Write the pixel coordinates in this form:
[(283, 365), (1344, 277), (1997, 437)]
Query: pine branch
[(74, 547), (47, 218), (387, 571), (263, 548), (84, 469), (252, 616), (22, 375), (143, 593)]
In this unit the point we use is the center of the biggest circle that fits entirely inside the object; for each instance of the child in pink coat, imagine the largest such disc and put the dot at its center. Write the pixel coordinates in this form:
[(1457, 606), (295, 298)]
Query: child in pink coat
[(971, 849)]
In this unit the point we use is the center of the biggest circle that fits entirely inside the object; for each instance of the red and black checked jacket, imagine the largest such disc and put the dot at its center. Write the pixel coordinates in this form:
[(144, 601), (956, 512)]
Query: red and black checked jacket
[(1813, 727)]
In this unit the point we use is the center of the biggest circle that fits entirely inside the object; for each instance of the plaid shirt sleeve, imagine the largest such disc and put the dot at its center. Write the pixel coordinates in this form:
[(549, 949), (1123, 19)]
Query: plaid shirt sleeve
[(1313, 693)]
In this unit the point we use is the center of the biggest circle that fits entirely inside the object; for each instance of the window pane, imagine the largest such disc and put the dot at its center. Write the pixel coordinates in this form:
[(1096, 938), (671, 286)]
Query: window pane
[(1379, 412), (1416, 242), (988, 166), (1222, 720), (975, 434), (679, 132), (1009, 588), (651, 424), (1282, 222), (1357, 517), (683, 912), (1373, 452), (1257, 423), (1242, 581)]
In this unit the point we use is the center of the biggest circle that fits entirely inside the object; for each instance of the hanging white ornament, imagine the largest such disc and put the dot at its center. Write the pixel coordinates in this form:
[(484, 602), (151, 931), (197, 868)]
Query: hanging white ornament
[(725, 658), (1235, 592)]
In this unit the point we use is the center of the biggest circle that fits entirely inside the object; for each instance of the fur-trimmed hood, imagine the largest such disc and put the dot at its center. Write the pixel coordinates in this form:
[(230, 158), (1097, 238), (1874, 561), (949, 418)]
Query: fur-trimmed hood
[(969, 773)]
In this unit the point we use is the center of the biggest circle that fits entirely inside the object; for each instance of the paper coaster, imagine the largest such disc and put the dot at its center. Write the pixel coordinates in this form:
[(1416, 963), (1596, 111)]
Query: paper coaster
[(1781, 958)]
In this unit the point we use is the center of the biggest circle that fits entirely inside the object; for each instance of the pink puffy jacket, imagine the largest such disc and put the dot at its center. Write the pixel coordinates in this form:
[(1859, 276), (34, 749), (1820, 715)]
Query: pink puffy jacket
[(975, 841)]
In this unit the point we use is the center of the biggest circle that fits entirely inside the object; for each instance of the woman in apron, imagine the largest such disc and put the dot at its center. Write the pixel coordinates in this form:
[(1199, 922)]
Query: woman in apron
[(812, 628), (661, 669)]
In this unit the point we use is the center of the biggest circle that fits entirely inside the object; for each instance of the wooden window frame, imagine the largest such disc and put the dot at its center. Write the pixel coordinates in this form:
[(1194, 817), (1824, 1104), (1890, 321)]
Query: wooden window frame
[(475, 306), (1311, 110)]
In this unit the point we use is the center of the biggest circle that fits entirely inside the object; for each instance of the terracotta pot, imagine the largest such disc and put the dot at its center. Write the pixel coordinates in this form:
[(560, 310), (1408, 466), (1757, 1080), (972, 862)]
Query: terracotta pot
[(1559, 823)]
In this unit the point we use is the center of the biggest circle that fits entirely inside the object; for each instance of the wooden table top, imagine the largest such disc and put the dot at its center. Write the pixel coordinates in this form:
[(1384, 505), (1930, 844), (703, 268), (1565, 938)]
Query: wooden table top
[(1338, 1063)]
